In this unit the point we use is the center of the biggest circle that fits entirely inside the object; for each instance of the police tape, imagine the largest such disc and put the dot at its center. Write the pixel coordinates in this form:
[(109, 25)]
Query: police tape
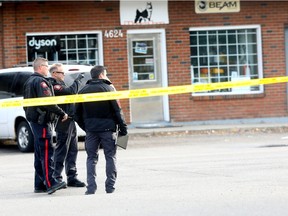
[(138, 93)]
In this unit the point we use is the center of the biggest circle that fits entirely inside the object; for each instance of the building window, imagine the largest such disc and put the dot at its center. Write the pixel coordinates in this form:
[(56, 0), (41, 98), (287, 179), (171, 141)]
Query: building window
[(143, 60), (223, 54), (67, 48)]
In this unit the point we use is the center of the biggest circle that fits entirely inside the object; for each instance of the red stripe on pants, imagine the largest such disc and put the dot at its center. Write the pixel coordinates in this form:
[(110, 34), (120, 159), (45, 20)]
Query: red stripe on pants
[(46, 157)]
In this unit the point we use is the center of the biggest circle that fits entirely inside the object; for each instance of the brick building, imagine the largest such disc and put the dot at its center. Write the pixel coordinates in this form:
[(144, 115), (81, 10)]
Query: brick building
[(165, 43)]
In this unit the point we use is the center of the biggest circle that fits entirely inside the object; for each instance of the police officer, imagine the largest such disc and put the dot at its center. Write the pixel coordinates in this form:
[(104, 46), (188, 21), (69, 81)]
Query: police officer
[(41, 118), (66, 148), (99, 119)]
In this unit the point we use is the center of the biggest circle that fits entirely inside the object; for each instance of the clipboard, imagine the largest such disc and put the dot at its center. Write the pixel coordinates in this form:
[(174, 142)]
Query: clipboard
[(122, 141), (63, 126)]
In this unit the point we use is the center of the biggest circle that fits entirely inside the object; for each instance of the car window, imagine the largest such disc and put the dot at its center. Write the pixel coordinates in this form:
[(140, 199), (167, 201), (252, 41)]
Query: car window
[(5, 95), (6, 81), (19, 82), (70, 77)]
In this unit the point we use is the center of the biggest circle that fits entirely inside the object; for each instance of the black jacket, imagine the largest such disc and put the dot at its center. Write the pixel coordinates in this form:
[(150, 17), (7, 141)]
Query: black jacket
[(38, 86), (100, 116), (60, 88)]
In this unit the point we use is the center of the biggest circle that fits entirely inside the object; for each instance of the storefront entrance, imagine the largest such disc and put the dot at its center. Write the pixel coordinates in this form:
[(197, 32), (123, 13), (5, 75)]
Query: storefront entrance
[(148, 69)]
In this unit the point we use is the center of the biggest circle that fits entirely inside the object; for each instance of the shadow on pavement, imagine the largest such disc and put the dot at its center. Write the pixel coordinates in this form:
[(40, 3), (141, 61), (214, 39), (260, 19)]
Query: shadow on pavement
[(8, 148)]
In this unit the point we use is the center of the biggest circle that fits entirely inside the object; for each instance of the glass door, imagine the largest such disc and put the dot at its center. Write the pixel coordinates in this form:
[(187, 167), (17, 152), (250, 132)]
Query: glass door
[(145, 72)]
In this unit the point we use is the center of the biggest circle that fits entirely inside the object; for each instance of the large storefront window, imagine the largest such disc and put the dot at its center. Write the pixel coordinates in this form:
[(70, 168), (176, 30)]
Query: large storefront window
[(67, 48), (226, 54)]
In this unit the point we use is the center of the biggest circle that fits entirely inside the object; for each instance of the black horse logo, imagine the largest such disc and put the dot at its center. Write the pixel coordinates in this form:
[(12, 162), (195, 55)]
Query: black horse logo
[(144, 15)]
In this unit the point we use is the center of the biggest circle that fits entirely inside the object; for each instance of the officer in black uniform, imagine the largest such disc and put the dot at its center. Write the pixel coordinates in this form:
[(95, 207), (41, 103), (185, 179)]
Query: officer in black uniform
[(66, 148), (100, 119), (40, 119)]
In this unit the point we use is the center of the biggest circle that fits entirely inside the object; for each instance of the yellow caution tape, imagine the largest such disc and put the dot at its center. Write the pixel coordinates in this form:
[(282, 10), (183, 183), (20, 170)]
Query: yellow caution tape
[(137, 93)]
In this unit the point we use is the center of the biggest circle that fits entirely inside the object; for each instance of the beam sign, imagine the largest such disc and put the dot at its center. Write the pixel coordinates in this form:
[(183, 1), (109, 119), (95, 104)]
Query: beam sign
[(217, 6)]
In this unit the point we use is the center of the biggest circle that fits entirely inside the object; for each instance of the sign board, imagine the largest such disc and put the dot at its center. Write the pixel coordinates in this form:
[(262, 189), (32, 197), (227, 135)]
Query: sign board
[(217, 6), (42, 46), (139, 12)]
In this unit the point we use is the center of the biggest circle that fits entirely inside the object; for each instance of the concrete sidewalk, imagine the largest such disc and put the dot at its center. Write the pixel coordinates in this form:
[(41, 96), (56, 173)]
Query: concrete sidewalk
[(265, 125)]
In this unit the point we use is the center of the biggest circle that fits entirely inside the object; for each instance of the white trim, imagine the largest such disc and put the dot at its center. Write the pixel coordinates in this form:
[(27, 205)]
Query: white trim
[(286, 61), (259, 54), (208, 28), (145, 31), (164, 75), (163, 64), (100, 48), (62, 33)]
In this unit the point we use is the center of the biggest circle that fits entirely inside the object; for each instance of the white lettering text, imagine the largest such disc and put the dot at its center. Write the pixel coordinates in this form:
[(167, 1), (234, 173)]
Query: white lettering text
[(40, 43)]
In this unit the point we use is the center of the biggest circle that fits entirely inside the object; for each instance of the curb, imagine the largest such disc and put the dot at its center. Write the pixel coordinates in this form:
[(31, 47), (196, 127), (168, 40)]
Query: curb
[(246, 130), (216, 131)]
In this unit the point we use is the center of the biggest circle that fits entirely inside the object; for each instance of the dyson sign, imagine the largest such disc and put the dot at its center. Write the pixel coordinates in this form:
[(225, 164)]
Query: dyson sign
[(38, 44)]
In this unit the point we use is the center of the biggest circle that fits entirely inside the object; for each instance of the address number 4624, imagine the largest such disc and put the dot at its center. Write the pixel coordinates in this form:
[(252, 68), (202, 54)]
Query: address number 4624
[(113, 33)]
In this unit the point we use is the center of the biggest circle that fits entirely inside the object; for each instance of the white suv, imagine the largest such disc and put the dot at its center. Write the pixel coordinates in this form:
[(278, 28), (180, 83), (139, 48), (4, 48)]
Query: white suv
[(13, 124)]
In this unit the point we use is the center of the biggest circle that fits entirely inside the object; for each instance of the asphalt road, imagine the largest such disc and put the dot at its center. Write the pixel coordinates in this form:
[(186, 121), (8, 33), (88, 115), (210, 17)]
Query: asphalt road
[(223, 174)]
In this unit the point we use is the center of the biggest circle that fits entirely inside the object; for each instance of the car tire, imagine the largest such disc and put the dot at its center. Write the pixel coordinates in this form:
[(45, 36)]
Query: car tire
[(25, 139)]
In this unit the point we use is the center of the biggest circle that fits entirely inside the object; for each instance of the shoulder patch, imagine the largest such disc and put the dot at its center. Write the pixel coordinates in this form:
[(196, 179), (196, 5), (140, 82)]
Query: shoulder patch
[(43, 85), (57, 87), (47, 93)]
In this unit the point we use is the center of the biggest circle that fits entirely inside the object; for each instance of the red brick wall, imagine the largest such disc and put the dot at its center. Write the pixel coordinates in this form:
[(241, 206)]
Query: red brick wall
[(22, 17)]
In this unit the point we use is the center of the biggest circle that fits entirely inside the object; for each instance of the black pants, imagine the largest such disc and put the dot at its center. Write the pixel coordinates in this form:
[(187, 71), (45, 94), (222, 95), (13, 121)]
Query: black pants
[(65, 153), (92, 144), (43, 153)]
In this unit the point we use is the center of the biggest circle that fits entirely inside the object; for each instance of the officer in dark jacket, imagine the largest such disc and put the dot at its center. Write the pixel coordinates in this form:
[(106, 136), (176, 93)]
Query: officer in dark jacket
[(66, 148), (41, 118), (99, 119)]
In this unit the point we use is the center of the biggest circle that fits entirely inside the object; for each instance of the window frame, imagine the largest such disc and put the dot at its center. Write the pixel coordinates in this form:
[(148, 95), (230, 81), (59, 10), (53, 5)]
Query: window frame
[(99, 45), (144, 56), (259, 63)]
